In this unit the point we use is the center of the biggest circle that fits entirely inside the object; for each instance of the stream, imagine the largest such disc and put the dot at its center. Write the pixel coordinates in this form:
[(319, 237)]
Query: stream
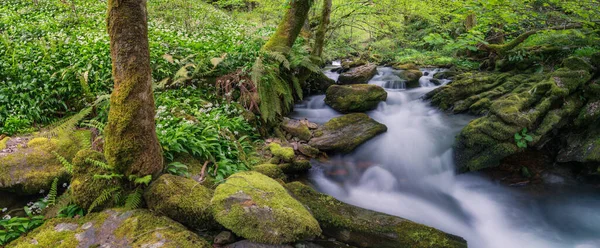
[(410, 173)]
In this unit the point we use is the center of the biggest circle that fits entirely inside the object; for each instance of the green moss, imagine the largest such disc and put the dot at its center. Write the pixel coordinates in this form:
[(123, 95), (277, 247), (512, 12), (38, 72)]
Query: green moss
[(47, 236), (84, 188), (3, 143), (365, 228), (289, 28), (181, 199), (577, 64), (296, 128), (284, 153), (258, 208), (355, 98), (271, 170)]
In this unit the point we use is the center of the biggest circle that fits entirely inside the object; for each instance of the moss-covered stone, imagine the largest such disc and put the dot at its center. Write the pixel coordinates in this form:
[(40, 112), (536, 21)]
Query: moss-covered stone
[(296, 128), (408, 66), (181, 199), (258, 208), (354, 98), (345, 133), (358, 75), (284, 153), (84, 188), (271, 170), (366, 228), (411, 75), (111, 228), (3, 143), (581, 146), (33, 166), (577, 63), (298, 166)]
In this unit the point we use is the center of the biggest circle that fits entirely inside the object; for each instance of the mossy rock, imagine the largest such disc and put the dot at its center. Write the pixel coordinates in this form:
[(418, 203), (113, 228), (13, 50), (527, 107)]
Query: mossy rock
[(411, 76), (296, 128), (271, 170), (3, 142), (85, 189), (33, 166), (365, 228), (181, 199), (408, 66), (111, 228), (317, 83), (577, 64), (354, 98), (258, 208), (582, 146), (345, 133), (353, 63), (358, 75), (284, 153)]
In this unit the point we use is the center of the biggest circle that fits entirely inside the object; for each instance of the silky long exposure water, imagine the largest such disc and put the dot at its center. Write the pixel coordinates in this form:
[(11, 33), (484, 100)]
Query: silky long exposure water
[(410, 173)]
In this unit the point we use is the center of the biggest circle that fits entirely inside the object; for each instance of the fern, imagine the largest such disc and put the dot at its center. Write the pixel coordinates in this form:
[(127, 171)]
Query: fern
[(99, 164), (96, 125), (107, 176), (68, 166), (100, 99), (280, 58), (67, 125), (145, 180), (53, 192), (134, 200), (104, 196)]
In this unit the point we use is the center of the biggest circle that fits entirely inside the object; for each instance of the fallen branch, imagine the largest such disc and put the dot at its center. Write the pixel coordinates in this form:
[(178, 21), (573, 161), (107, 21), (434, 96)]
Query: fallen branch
[(504, 48)]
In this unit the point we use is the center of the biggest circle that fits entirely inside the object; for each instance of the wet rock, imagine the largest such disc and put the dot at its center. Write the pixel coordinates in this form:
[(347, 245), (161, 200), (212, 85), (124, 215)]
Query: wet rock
[(259, 209), (224, 238), (366, 228), (308, 151), (348, 64), (411, 76), (345, 133), (271, 170), (181, 199), (355, 98), (250, 244), (281, 153), (317, 83), (581, 146), (29, 164), (296, 128), (409, 66), (358, 75), (111, 228), (445, 75)]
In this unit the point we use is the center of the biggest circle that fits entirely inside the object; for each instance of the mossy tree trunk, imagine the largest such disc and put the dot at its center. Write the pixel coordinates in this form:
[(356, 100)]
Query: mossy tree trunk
[(322, 29), (131, 143), (289, 28)]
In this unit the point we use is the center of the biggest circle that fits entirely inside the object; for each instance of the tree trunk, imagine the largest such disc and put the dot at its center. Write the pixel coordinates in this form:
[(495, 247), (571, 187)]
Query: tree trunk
[(131, 143), (289, 28), (322, 29)]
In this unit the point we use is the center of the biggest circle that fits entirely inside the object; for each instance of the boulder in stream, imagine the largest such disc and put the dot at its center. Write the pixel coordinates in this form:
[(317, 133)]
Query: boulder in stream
[(111, 228), (358, 75), (258, 208), (365, 228), (354, 98), (345, 133)]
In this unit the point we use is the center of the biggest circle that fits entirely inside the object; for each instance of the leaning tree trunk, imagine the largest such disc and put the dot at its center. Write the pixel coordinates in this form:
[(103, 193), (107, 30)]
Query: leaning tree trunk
[(131, 144), (289, 28), (322, 29)]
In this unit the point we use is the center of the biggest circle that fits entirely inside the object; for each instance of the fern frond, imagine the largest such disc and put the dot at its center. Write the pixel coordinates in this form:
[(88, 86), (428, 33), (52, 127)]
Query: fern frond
[(140, 180), (68, 166), (134, 200), (67, 125), (96, 125), (103, 198), (280, 58), (107, 176), (53, 192), (99, 164), (101, 98)]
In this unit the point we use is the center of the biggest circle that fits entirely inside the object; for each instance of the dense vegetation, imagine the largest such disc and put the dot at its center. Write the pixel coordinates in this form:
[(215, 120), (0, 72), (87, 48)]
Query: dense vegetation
[(219, 84)]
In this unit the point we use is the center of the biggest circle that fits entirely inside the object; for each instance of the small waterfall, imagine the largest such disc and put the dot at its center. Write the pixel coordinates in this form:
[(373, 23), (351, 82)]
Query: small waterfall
[(409, 172)]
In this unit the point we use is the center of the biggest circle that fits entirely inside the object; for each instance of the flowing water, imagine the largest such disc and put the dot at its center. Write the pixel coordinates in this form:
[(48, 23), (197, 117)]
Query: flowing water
[(409, 172)]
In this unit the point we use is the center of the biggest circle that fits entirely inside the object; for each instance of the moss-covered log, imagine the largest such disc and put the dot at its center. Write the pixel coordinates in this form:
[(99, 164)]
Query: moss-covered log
[(505, 47), (322, 29), (131, 143), (289, 28)]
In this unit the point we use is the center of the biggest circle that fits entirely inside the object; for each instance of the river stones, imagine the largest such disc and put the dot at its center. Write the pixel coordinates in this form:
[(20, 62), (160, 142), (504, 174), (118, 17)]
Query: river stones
[(28, 164), (343, 134), (411, 76), (259, 209), (540, 103), (296, 128), (354, 98), (365, 228), (181, 199), (111, 228), (358, 75)]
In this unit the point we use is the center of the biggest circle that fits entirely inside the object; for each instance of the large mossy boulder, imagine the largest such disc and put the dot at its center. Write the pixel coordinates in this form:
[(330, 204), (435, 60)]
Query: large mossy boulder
[(30, 165), (259, 209), (540, 103), (181, 199), (365, 228), (317, 83), (111, 228), (85, 188), (354, 98), (343, 134), (358, 75), (411, 76), (296, 128)]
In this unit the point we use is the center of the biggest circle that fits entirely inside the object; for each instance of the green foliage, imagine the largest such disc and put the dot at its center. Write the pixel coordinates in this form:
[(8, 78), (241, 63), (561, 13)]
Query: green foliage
[(178, 169), (104, 197), (99, 164), (16, 125), (522, 138), (134, 200), (70, 211), (12, 228), (53, 193), (65, 163)]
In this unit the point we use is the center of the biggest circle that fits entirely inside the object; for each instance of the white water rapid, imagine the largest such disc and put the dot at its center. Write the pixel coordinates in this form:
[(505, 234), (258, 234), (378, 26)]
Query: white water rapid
[(410, 173)]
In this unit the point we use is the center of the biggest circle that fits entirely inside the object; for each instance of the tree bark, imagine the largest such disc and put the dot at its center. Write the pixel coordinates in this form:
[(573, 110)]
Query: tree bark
[(289, 28), (131, 144), (322, 29), (503, 48)]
